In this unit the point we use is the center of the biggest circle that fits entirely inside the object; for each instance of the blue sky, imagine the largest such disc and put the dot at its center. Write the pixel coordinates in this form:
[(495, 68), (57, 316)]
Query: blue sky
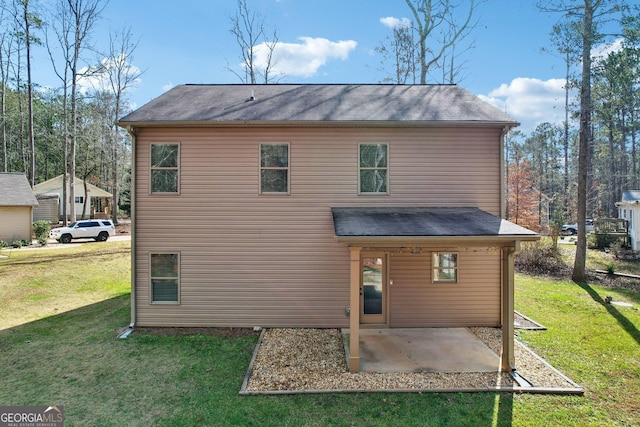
[(188, 41)]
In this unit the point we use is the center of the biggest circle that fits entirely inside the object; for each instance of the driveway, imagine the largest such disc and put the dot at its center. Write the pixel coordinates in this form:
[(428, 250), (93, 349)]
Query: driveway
[(53, 244)]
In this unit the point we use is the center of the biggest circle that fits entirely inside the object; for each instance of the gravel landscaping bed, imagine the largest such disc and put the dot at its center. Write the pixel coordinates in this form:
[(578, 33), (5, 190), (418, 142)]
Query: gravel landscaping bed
[(313, 360)]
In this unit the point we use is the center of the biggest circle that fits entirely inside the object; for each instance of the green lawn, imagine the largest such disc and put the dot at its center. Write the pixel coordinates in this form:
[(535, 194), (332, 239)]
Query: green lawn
[(63, 350)]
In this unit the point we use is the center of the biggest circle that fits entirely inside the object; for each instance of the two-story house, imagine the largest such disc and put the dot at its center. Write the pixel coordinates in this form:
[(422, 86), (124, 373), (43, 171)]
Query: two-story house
[(321, 206)]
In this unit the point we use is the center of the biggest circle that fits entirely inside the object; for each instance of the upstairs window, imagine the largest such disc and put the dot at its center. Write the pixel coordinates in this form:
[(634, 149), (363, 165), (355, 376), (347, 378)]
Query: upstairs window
[(373, 169), (274, 168), (445, 267), (79, 199), (165, 168)]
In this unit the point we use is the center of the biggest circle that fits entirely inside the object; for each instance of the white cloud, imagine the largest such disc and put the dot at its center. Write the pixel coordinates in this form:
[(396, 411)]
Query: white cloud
[(393, 22), (530, 101), (97, 77), (601, 51), (303, 59)]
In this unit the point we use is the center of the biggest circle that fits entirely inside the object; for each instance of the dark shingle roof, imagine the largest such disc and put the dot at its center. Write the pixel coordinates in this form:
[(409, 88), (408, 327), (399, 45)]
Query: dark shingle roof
[(16, 191), (220, 104), (422, 222)]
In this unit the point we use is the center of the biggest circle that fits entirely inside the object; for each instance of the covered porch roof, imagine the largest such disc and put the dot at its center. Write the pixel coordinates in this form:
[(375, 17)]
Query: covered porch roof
[(366, 224)]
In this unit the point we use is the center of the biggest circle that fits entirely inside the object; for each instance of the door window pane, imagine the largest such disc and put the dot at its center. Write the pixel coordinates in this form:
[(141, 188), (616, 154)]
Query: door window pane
[(372, 285)]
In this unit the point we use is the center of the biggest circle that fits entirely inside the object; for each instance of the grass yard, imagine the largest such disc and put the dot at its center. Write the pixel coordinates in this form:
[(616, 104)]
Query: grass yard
[(62, 309)]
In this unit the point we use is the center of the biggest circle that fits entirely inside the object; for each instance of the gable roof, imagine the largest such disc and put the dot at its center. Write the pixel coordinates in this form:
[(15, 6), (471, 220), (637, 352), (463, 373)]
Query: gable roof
[(54, 185), (631, 195), (15, 190), (420, 222), (312, 103)]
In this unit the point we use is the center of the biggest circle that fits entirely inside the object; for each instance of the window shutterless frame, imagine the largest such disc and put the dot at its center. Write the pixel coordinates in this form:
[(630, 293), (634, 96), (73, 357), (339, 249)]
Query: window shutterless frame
[(444, 267), (164, 168), (274, 167), (164, 278), (373, 168)]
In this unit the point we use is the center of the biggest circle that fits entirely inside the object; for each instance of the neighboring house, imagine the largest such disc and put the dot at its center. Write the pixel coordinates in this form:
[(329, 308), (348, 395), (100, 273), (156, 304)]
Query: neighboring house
[(90, 201), (321, 206), (629, 209), (16, 207)]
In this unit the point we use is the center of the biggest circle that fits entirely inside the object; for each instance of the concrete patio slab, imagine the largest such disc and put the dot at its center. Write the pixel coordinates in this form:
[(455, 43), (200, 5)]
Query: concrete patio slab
[(425, 350)]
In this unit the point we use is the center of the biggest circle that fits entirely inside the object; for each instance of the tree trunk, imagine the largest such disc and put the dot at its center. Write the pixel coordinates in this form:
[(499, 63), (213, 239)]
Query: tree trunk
[(579, 268), (32, 144)]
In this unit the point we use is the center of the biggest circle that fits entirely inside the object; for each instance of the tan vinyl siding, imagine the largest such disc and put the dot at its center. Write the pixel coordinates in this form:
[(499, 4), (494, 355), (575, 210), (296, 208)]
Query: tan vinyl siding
[(272, 260), (15, 223), (473, 301)]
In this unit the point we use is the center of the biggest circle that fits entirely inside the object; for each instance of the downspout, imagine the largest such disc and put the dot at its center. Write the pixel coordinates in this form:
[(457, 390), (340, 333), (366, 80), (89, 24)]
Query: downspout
[(132, 195), (503, 190)]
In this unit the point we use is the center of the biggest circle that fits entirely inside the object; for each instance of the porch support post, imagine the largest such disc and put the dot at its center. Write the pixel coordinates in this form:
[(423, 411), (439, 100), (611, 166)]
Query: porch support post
[(508, 361), (354, 314)]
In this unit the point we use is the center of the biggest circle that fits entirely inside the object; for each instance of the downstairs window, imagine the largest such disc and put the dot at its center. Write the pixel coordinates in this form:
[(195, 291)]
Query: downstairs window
[(165, 278)]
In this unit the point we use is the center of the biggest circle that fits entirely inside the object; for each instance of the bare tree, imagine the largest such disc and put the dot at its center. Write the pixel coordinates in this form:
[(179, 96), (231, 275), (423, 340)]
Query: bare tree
[(61, 24), (120, 74), (248, 27), (6, 52), (399, 50), (74, 22), (438, 31), (26, 21)]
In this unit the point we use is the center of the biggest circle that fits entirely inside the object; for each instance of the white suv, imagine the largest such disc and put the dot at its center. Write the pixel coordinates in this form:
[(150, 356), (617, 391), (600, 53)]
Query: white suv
[(98, 229)]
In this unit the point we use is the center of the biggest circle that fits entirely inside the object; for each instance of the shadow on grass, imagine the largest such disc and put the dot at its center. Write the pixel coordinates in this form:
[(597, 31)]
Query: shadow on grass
[(622, 320), (504, 410), (76, 321), (75, 359), (63, 256)]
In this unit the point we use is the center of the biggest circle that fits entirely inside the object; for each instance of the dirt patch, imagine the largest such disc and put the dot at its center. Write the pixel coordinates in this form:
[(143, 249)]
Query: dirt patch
[(123, 228), (613, 281), (219, 332)]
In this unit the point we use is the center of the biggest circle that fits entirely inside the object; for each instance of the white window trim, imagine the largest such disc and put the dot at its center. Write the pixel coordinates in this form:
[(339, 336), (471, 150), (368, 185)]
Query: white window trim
[(388, 168), (287, 168), (151, 169), (151, 301), (434, 267)]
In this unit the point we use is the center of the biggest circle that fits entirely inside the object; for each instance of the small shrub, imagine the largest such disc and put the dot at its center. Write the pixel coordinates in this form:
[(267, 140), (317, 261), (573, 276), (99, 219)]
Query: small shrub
[(605, 240), (3, 244), (611, 269), (17, 244), (540, 258), (41, 230)]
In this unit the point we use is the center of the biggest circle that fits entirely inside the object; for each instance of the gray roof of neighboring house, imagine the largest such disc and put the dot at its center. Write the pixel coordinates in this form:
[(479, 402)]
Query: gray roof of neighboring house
[(423, 222), (327, 103), (630, 195), (15, 190)]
